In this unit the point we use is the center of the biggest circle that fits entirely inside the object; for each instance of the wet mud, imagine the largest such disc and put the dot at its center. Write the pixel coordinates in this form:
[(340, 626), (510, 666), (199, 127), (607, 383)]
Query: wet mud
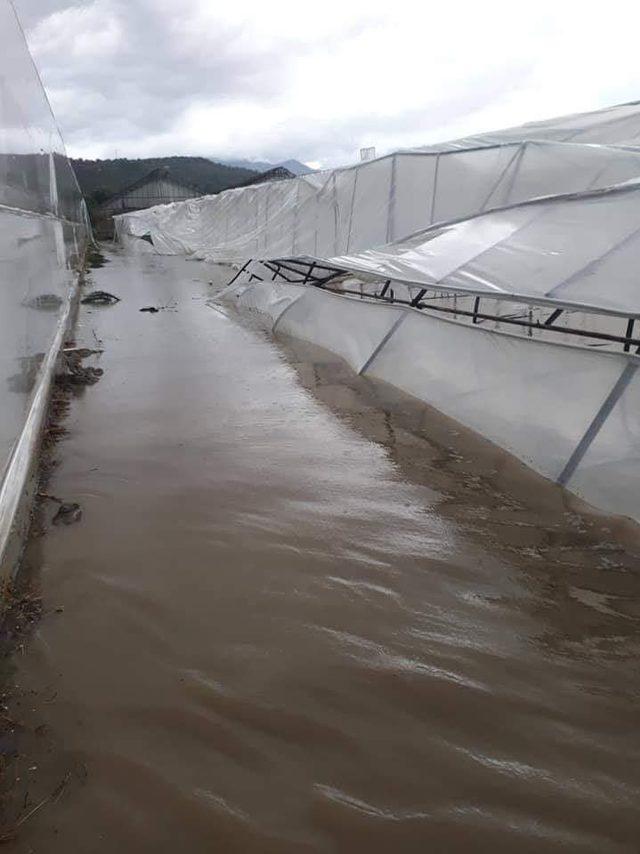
[(302, 612)]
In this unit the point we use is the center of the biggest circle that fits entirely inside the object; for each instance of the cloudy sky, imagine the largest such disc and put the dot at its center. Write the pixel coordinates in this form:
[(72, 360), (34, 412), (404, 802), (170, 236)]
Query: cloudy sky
[(281, 79)]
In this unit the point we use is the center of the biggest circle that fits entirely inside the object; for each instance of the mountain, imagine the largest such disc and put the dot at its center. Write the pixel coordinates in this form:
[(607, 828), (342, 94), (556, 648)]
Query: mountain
[(100, 179), (257, 165), (294, 166)]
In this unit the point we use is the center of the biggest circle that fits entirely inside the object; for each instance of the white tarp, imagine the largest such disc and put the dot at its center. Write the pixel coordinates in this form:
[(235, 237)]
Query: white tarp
[(348, 210), (544, 213), (581, 251), (572, 414), (43, 231), (618, 125)]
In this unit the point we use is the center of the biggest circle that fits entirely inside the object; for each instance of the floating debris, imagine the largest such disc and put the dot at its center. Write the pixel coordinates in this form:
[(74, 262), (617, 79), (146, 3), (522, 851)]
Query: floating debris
[(73, 373), (11, 834), (100, 298), (154, 309), (46, 497), (95, 259), (68, 514), (82, 352), (79, 376)]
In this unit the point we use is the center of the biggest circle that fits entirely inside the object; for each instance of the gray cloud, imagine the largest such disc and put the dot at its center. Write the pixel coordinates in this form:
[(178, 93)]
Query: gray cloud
[(32, 11), (147, 82), (152, 77)]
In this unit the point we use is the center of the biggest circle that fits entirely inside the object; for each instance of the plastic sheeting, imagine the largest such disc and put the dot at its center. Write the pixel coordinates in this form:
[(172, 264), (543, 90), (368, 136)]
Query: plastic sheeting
[(619, 124), (571, 414), (546, 213), (581, 251), (43, 229), (372, 204)]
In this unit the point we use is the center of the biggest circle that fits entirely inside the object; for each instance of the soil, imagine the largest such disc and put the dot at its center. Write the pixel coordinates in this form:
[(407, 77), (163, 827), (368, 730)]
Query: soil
[(22, 730)]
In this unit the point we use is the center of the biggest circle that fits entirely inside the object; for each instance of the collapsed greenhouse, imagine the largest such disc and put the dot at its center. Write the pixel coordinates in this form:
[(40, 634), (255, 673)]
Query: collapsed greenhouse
[(493, 278), (277, 572)]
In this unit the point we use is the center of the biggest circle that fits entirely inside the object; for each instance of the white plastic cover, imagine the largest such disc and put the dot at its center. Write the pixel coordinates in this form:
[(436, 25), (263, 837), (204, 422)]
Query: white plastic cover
[(43, 228), (580, 251), (548, 212), (619, 124), (348, 210), (549, 404)]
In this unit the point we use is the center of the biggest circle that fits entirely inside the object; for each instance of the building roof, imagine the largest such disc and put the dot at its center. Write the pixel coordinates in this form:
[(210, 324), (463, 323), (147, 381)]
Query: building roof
[(278, 173), (162, 172)]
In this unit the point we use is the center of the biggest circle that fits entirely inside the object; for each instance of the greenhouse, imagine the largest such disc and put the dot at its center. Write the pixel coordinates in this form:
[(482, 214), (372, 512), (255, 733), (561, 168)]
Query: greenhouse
[(318, 494), (43, 232), (485, 276)]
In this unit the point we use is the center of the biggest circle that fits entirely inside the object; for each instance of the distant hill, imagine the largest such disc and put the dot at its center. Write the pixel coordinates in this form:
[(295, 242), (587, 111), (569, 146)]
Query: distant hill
[(294, 166), (100, 179)]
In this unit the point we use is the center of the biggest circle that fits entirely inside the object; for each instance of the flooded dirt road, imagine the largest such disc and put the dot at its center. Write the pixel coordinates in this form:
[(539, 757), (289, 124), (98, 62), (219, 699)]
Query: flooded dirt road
[(303, 615)]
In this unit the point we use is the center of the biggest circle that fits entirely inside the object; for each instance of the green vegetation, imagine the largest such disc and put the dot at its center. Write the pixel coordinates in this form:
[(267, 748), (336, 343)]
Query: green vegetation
[(100, 179)]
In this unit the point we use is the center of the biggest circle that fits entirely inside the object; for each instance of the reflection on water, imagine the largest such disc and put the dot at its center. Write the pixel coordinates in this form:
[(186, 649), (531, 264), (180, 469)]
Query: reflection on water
[(567, 555), (303, 613), (34, 290)]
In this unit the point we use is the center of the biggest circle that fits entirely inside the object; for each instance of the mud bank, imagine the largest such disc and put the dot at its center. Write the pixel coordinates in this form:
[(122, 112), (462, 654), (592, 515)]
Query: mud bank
[(302, 613)]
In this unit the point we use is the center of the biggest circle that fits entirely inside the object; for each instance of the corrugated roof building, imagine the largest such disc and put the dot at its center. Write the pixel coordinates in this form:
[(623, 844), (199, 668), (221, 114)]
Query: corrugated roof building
[(156, 188)]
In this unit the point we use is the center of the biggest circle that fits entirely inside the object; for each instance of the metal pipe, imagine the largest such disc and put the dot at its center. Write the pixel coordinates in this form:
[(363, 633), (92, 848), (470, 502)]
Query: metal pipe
[(416, 300), (628, 341), (279, 272), (553, 317), (240, 271), (582, 333), (630, 324)]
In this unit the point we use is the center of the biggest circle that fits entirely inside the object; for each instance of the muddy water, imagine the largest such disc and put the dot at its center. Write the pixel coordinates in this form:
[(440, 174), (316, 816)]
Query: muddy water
[(302, 614)]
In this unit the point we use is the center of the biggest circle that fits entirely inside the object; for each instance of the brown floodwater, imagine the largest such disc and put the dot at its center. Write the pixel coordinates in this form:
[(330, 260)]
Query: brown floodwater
[(303, 613)]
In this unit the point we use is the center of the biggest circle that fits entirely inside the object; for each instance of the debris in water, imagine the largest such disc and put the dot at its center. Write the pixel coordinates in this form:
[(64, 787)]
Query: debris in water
[(99, 298), (82, 352), (47, 497), (73, 373), (153, 309), (68, 514), (96, 259), (79, 376), (53, 798)]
